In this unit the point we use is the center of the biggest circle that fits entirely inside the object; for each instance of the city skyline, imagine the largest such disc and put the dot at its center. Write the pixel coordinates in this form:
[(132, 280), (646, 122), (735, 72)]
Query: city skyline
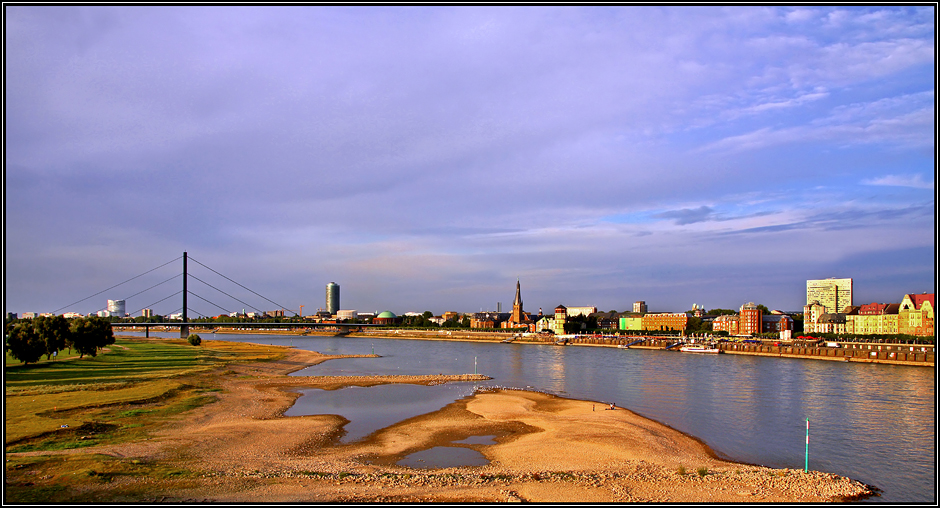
[(425, 158)]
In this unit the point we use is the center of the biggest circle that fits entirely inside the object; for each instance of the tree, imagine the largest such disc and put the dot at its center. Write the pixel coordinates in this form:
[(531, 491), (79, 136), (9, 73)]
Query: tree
[(91, 334), (54, 332), (195, 339), (428, 314), (24, 343), (763, 310)]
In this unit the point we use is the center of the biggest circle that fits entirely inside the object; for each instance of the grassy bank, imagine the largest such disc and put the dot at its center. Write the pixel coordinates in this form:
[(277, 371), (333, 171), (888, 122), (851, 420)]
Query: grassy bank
[(134, 384)]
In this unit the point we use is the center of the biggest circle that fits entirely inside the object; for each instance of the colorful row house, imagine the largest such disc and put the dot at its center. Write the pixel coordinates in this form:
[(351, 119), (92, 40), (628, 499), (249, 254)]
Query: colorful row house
[(913, 316)]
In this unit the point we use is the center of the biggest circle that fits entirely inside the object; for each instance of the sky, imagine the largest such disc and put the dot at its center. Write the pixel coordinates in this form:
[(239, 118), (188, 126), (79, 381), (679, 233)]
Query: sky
[(427, 158)]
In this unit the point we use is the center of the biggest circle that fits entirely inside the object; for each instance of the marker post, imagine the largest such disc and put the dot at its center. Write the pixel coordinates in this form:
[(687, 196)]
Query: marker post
[(806, 463)]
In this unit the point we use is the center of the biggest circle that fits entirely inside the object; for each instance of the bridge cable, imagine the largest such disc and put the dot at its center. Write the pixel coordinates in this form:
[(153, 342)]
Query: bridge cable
[(224, 293), (203, 299), (158, 301), (217, 273), (155, 285), (112, 287)]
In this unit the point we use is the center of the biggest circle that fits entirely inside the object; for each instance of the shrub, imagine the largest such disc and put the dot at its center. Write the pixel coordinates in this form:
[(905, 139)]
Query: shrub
[(702, 471), (681, 470), (194, 339)]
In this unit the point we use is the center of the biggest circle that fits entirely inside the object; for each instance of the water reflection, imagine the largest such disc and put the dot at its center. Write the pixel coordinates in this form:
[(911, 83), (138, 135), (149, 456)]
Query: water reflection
[(373, 408)]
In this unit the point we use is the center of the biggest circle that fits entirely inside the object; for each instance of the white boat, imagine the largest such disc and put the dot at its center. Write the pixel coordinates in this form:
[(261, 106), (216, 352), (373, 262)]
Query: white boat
[(699, 349)]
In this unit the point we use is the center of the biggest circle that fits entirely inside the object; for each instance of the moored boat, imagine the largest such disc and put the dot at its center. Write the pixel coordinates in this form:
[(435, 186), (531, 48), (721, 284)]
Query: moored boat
[(699, 349)]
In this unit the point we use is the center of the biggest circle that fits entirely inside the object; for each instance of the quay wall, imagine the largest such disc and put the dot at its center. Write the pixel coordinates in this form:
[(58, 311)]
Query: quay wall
[(899, 354)]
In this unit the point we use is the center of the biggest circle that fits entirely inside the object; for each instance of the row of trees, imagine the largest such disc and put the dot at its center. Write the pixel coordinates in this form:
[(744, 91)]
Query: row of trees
[(28, 340)]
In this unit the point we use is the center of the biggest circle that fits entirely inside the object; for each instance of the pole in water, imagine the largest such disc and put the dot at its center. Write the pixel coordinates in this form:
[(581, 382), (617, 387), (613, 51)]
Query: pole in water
[(806, 463), (373, 349), (474, 365)]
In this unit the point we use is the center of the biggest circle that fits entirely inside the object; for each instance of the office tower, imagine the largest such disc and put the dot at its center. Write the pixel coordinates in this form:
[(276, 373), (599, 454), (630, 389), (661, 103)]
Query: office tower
[(332, 298), (833, 294)]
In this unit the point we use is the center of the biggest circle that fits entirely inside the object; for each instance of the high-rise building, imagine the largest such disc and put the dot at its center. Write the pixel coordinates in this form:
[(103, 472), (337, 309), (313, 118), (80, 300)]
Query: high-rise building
[(116, 308), (834, 294), (332, 298), (639, 307)]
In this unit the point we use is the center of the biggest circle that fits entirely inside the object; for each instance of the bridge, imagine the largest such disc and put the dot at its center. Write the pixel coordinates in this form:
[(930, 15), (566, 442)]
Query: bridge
[(184, 324), (345, 327)]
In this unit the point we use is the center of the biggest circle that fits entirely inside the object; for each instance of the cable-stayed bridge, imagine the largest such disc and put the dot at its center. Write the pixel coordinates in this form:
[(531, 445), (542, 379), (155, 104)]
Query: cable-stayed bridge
[(184, 310)]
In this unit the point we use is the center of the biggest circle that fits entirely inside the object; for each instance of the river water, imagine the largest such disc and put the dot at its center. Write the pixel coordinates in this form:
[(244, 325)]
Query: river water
[(873, 423)]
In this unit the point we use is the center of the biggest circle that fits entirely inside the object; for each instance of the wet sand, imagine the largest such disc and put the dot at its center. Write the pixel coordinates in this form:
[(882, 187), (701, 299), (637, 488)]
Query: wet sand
[(547, 449)]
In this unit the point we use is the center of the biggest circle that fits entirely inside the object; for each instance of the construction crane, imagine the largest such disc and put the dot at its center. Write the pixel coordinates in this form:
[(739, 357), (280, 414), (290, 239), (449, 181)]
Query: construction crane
[(301, 311)]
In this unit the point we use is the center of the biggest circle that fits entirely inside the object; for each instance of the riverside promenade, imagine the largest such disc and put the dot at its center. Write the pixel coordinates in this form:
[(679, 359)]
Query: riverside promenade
[(862, 352)]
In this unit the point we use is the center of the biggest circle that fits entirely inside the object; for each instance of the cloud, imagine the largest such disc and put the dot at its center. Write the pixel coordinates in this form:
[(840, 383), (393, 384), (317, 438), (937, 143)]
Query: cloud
[(914, 181), (447, 149), (688, 216)]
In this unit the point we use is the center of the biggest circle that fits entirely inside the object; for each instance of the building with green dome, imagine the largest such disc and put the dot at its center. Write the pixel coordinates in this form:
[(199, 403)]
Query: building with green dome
[(386, 318)]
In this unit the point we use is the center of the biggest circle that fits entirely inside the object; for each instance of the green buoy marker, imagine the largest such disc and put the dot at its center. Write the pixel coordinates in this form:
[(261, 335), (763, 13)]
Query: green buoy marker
[(806, 463)]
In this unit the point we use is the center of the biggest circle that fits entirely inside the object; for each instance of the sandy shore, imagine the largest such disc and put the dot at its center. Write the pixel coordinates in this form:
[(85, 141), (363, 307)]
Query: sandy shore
[(548, 449)]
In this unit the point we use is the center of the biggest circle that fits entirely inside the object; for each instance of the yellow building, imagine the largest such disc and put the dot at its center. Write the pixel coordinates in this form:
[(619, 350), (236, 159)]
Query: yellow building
[(873, 318), (665, 321), (915, 316), (561, 317)]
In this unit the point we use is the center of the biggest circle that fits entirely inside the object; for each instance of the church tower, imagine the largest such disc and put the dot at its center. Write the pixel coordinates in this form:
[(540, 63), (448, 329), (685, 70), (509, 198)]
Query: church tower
[(517, 314)]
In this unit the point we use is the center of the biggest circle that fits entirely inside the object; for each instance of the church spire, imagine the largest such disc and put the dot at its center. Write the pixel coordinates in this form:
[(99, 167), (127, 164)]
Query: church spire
[(518, 300)]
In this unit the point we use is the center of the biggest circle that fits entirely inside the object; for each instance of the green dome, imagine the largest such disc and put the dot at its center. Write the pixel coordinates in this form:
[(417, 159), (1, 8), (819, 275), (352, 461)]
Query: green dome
[(387, 314)]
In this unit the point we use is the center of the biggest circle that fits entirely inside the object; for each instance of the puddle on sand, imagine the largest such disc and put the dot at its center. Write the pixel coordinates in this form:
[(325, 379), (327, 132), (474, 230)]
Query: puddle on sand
[(373, 408), (444, 456), (480, 440)]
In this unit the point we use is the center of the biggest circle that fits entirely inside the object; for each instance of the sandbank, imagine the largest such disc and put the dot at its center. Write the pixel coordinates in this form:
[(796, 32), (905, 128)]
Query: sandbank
[(547, 449)]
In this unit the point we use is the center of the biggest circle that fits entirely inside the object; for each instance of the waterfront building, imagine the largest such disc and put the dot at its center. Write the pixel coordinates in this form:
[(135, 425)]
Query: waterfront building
[(639, 307), (873, 319), (665, 321), (750, 323), (776, 323), (606, 320), (347, 314), (488, 319), (916, 314), (831, 323), (811, 314), (561, 317), (71, 315), (834, 294), (146, 313), (580, 311), (727, 323), (386, 318), (332, 298), (631, 323), (448, 316), (519, 318), (28, 315), (116, 308), (544, 324)]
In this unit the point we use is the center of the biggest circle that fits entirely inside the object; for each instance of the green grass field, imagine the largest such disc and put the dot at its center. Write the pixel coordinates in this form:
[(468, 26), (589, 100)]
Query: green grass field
[(123, 394), (42, 397)]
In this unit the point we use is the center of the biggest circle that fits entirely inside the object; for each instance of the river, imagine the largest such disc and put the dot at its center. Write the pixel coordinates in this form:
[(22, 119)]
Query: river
[(873, 423)]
